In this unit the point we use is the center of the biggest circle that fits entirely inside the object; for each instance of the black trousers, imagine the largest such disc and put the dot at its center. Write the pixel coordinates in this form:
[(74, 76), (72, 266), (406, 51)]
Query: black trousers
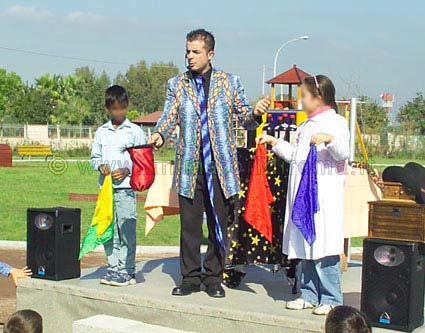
[(191, 218)]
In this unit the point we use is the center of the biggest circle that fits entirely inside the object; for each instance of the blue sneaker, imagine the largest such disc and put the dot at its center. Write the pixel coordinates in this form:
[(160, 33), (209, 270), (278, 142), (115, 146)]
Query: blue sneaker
[(122, 280), (107, 278)]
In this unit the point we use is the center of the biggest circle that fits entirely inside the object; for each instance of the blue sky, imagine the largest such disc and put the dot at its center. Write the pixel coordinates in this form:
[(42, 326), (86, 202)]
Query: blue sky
[(365, 47)]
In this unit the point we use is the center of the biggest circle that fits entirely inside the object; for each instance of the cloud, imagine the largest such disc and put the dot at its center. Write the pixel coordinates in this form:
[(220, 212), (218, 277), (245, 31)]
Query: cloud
[(27, 13), (86, 18), (74, 18)]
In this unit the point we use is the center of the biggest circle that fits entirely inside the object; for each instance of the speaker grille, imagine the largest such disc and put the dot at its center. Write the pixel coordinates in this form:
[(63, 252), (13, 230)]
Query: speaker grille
[(389, 255), (53, 241), (45, 259), (387, 298), (393, 284), (43, 221)]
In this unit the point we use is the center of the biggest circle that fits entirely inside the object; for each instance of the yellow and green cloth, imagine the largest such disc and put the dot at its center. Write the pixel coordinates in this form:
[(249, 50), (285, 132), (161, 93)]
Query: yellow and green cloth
[(102, 227)]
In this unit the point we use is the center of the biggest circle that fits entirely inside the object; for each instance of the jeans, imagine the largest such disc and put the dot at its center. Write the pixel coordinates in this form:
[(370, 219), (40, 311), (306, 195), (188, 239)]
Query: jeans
[(321, 281), (121, 250)]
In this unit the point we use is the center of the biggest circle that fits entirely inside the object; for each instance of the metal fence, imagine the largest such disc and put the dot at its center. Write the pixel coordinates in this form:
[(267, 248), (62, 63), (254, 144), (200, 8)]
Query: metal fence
[(389, 144), (70, 132), (54, 131), (12, 130)]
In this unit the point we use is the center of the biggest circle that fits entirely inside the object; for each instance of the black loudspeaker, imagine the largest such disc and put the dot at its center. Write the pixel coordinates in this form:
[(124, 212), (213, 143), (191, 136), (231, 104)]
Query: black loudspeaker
[(53, 242), (393, 284)]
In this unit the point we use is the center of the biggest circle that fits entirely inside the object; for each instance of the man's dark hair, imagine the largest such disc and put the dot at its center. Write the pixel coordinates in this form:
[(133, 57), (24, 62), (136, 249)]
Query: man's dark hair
[(24, 321), (114, 94), (346, 319), (202, 34)]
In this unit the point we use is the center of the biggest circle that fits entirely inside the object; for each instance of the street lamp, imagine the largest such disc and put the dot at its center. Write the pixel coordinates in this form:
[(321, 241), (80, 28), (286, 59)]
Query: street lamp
[(281, 47), (260, 128)]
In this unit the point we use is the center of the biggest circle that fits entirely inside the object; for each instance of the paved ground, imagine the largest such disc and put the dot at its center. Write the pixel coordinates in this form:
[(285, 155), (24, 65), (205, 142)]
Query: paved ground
[(258, 305), (17, 258)]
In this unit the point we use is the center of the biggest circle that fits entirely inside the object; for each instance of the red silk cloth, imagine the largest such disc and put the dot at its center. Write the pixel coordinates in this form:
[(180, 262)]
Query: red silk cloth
[(259, 197)]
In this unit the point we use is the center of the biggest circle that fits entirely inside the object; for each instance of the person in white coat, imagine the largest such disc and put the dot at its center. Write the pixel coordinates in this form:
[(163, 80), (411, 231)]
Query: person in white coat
[(320, 284)]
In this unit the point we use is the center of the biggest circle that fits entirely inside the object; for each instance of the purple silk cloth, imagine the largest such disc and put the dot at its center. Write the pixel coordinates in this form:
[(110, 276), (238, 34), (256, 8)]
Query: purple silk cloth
[(306, 202)]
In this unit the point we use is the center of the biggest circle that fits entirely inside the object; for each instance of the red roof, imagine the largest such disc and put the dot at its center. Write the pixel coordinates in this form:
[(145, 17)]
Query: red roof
[(151, 118), (293, 76)]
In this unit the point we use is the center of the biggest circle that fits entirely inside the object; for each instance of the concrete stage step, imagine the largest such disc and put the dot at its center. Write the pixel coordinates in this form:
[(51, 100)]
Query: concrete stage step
[(109, 324), (258, 305)]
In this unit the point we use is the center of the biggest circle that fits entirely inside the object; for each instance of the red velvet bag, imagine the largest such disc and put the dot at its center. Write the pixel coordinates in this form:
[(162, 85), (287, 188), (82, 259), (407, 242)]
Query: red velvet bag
[(143, 170)]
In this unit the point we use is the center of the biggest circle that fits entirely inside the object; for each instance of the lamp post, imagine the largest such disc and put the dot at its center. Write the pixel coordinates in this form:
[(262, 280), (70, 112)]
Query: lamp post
[(278, 51)]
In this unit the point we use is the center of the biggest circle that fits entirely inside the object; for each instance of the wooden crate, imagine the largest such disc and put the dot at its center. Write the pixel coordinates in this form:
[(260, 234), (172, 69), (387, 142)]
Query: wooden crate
[(396, 191), (397, 220)]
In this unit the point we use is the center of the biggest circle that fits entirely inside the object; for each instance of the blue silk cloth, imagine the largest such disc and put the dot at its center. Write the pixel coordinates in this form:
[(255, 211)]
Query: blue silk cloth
[(306, 202)]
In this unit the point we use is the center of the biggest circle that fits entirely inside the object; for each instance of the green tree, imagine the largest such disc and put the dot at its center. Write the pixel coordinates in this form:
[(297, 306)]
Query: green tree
[(79, 98), (146, 86), (92, 88), (98, 107), (11, 86), (133, 114), (59, 87), (412, 115), (32, 106), (68, 98), (159, 74), (136, 82), (371, 116)]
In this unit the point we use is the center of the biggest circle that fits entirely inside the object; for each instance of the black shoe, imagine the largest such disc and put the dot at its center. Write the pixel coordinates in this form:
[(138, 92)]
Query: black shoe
[(186, 289), (215, 290)]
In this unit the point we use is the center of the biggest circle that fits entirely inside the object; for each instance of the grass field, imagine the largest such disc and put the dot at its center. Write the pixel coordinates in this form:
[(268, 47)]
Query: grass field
[(393, 161), (33, 184)]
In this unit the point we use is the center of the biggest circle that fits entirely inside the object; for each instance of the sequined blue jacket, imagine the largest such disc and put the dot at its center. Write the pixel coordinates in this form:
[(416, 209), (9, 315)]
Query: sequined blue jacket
[(226, 103), (4, 269)]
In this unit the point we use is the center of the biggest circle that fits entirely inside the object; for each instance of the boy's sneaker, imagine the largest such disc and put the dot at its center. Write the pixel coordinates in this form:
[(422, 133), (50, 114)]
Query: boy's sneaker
[(107, 278), (122, 280)]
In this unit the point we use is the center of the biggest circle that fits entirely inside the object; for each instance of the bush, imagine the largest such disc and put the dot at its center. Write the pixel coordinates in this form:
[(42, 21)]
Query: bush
[(82, 151)]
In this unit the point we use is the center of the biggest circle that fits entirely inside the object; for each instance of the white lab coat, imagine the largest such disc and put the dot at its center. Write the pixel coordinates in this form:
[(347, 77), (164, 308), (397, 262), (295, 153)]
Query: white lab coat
[(331, 174)]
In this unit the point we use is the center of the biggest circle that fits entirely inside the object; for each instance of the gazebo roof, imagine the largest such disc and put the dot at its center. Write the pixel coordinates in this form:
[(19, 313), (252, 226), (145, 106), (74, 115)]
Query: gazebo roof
[(151, 118), (293, 76)]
